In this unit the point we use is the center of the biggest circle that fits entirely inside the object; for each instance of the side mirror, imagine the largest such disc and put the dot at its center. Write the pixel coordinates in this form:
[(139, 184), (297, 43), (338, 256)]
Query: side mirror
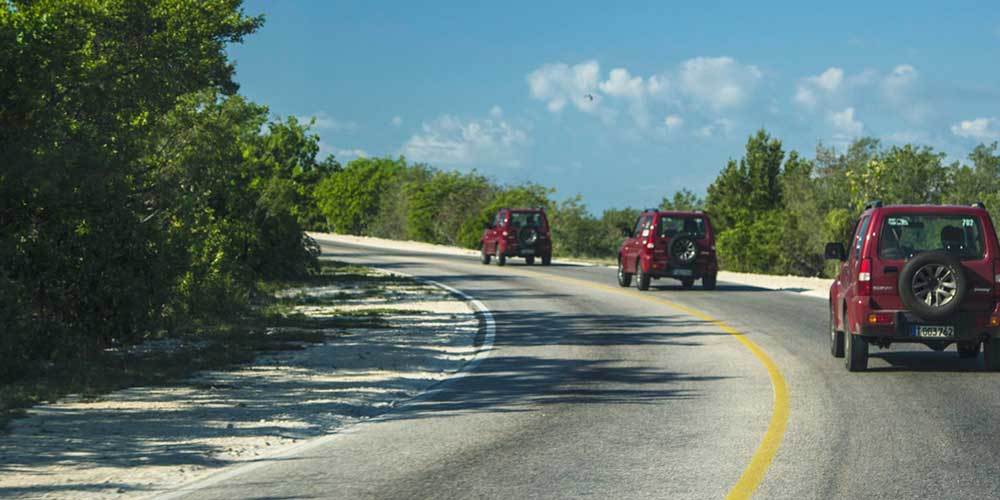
[(626, 232), (835, 251)]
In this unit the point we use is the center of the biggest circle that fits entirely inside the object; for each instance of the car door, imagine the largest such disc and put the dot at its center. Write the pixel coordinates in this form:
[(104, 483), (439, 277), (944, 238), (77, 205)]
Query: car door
[(492, 232), (633, 243), (849, 270)]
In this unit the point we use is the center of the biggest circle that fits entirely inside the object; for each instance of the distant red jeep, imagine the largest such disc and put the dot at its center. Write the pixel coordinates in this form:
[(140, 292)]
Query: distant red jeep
[(679, 245), (517, 232)]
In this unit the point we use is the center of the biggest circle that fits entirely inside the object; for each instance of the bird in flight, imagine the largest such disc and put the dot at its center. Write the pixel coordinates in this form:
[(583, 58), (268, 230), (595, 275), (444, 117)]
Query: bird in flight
[(589, 97)]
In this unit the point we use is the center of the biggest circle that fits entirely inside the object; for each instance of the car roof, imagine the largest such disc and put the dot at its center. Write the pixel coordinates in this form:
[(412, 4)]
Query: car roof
[(675, 212), (540, 210), (928, 208)]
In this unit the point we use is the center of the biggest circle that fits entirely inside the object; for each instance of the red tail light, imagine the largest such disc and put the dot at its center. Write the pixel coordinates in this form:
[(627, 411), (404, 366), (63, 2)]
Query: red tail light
[(865, 277)]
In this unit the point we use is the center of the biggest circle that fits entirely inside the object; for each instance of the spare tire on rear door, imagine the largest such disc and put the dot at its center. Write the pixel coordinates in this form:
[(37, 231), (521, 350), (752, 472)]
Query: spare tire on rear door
[(682, 250), (527, 236), (933, 285)]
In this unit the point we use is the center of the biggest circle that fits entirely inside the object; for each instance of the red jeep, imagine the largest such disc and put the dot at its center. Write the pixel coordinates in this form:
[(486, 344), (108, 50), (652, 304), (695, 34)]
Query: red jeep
[(679, 245), (517, 232), (917, 273)]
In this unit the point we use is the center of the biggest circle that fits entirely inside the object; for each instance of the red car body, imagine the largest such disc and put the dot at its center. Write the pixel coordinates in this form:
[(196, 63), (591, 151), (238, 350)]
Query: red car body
[(866, 300), (517, 232), (668, 244)]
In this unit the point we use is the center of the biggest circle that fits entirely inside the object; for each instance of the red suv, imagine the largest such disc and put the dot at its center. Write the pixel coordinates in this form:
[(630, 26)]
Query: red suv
[(917, 273), (679, 245), (517, 232)]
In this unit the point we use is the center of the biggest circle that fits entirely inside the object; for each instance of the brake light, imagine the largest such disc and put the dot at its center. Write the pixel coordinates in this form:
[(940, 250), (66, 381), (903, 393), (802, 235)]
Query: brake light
[(865, 277), (880, 319)]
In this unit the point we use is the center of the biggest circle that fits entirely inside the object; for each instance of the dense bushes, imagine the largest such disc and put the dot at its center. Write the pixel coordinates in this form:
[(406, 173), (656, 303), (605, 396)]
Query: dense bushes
[(136, 192)]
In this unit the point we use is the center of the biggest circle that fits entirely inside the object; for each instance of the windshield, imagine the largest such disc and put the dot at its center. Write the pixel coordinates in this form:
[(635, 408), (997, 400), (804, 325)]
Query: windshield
[(526, 219), (906, 235), (672, 225)]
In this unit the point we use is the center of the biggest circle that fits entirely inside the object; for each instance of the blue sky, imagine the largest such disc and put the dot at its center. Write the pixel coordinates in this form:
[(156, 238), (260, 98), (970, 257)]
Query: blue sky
[(503, 87)]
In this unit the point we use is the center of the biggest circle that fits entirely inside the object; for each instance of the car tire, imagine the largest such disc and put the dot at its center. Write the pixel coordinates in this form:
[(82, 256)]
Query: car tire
[(944, 261), (530, 260), (546, 260), (687, 282), (708, 282), (641, 278), (486, 257), (624, 279), (968, 350), (991, 354), (501, 258), (855, 352), (836, 339)]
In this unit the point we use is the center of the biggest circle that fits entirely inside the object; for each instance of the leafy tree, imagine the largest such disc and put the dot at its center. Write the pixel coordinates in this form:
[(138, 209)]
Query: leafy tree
[(350, 199), (574, 230), (82, 84), (683, 200)]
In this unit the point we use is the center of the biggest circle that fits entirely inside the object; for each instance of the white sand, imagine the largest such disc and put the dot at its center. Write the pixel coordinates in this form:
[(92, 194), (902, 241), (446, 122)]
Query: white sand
[(133, 442)]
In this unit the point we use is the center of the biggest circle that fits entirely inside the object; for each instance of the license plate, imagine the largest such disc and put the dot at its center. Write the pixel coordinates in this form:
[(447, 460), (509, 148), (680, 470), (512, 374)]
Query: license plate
[(528, 251), (934, 331), (682, 272)]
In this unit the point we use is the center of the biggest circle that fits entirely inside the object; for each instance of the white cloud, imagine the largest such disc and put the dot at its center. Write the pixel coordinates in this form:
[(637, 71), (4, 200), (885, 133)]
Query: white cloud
[(721, 126), (899, 81), (323, 121), (449, 140), (709, 84), (558, 84), (718, 82), (844, 124), (622, 84), (496, 111), (827, 82), (673, 122), (396, 121), (983, 129), (343, 154)]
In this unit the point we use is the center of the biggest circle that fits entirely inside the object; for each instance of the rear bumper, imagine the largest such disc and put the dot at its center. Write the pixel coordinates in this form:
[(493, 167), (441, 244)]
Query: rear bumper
[(700, 269), (540, 248), (968, 326)]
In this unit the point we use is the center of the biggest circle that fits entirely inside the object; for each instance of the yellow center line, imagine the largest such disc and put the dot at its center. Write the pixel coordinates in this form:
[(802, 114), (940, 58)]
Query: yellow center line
[(755, 471)]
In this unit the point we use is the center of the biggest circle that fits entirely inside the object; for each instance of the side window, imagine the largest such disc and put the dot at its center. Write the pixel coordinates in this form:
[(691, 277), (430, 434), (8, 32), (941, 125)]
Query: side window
[(499, 219), (859, 237), (637, 230), (644, 225)]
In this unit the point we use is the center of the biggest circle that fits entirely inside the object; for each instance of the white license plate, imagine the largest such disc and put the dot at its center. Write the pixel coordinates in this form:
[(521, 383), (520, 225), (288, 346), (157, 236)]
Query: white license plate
[(528, 251), (682, 272), (934, 331)]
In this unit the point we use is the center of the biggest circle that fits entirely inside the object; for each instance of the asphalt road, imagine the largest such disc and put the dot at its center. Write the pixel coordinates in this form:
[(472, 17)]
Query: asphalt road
[(592, 392)]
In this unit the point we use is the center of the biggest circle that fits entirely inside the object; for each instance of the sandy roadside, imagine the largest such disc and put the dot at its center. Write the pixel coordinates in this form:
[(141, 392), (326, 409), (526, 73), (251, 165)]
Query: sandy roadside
[(134, 442), (810, 287)]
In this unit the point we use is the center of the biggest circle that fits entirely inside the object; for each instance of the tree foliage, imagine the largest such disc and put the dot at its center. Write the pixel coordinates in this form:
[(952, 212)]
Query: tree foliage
[(136, 191)]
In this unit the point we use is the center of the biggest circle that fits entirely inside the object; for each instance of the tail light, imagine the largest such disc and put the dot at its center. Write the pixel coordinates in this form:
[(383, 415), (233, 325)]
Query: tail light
[(865, 277)]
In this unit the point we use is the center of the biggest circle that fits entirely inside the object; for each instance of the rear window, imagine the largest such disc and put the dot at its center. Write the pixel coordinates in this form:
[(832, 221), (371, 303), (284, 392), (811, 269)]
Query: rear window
[(904, 236), (672, 225), (526, 219)]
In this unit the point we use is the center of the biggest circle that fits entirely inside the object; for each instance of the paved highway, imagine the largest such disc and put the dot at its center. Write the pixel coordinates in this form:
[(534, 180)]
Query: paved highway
[(595, 391)]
